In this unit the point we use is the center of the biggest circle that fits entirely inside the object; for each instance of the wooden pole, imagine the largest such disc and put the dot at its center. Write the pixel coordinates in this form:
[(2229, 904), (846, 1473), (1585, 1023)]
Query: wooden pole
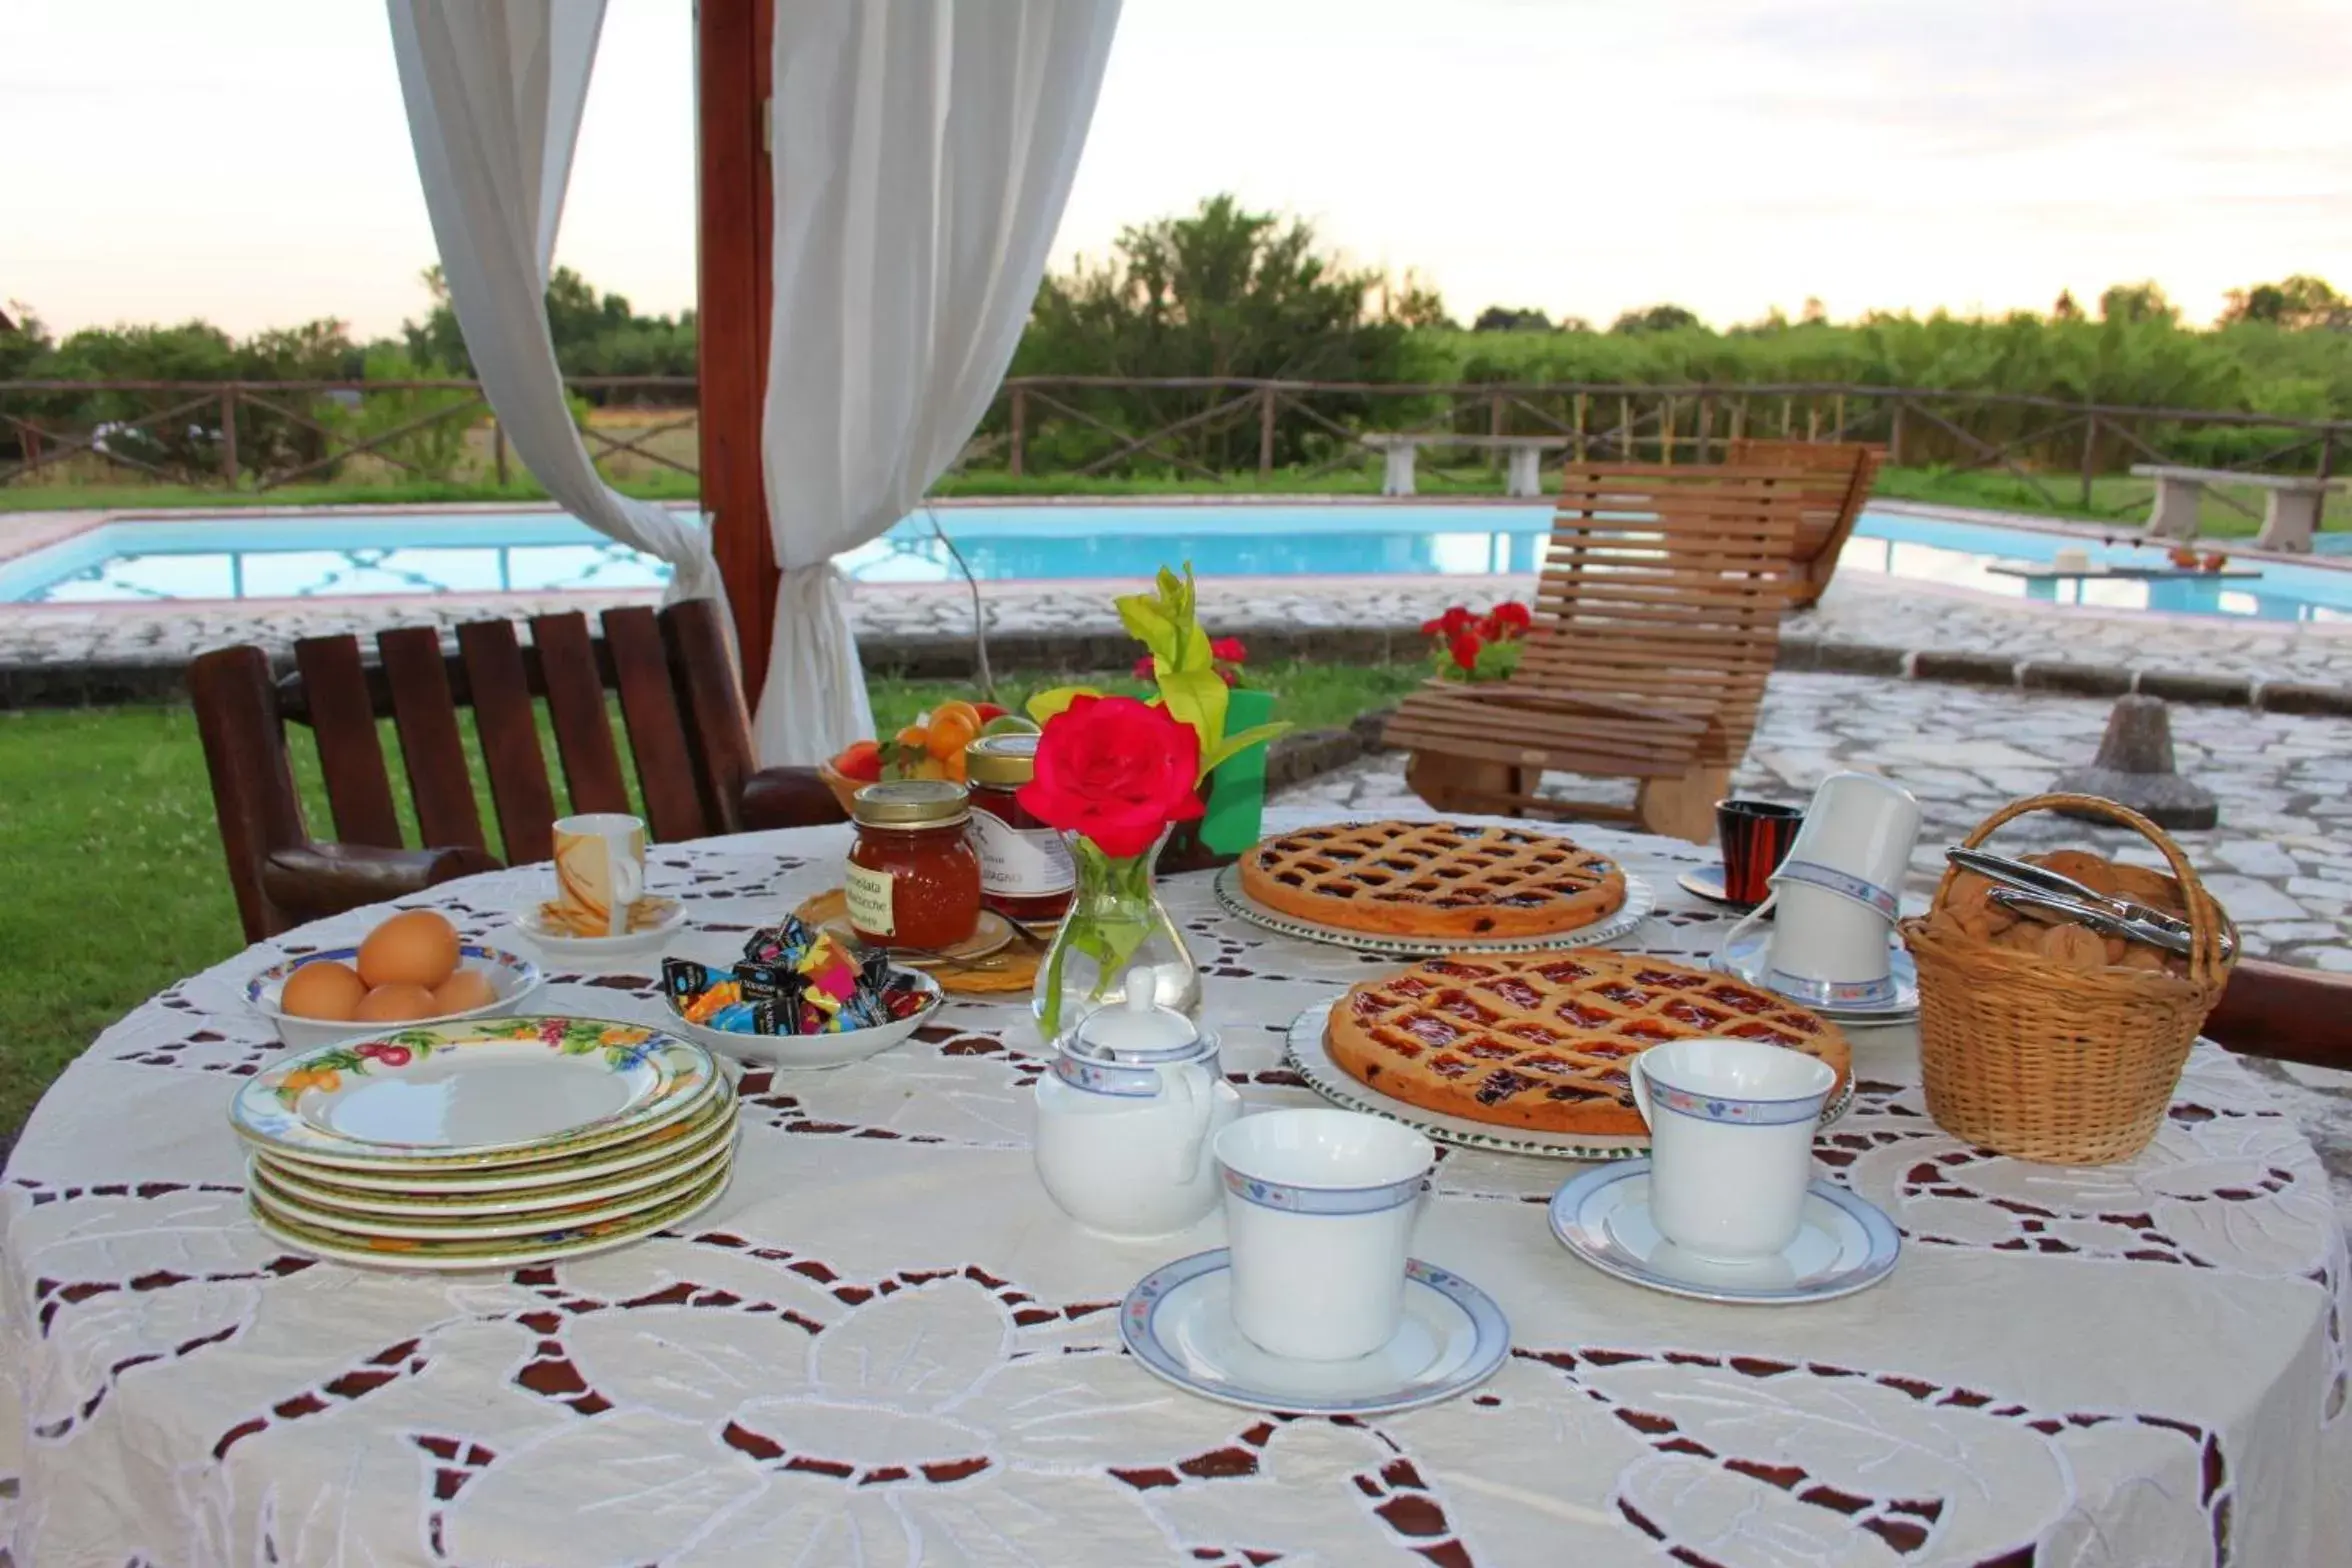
[(1666, 430), (498, 448), (1580, 427), (1706, 422), (1494, 428), (228, 444), (732, 71), (1895, 437), (2090, 455), (1266, 400), (1017, 433)]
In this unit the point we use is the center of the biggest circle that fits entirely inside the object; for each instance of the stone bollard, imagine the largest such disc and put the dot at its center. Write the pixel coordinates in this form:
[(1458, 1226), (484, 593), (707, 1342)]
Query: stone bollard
[(2135, 769)]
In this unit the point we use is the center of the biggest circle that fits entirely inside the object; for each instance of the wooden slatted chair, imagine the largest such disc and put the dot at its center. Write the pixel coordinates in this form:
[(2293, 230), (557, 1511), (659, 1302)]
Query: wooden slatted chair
[(1830, 523), (1655, 624), (681, 705)]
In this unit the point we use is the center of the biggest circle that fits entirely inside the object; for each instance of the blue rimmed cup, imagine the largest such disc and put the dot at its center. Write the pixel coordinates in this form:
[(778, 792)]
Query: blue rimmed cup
[(1731, 1141), (1319, 1211)]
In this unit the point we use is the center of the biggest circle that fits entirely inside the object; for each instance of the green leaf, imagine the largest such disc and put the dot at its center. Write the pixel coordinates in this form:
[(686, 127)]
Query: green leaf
[(1046, 704), (1233, 746), (1198, 698)]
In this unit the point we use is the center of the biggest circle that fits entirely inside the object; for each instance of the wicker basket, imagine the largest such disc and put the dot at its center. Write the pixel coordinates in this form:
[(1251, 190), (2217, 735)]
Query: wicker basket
[(2046, 1063)]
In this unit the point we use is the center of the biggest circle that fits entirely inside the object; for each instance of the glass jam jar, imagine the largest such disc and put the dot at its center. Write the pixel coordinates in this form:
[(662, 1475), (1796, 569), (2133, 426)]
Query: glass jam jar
[(913, 879), (1026, 873)]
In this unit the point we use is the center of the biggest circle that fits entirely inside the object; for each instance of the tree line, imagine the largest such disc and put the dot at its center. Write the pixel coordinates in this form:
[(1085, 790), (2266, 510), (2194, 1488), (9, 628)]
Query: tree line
[(1223, 291)]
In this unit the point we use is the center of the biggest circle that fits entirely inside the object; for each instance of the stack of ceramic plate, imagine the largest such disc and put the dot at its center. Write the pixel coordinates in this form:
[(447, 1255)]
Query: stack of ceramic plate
[(492, 1143)]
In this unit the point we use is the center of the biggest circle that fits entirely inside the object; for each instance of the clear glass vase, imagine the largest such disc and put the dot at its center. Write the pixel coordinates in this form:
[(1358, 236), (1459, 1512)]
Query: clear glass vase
[(1116, 926)]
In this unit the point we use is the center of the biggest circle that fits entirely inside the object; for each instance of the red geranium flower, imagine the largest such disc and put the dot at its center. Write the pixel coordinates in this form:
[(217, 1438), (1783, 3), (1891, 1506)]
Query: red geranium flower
[(1465, 650), (1512, 616), (1144, 670), (1116, 772), (1229, 650)]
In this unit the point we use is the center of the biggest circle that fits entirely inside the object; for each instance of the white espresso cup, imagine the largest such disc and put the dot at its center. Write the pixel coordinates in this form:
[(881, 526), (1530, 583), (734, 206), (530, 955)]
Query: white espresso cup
[(1856, 841), (1319, 1211), (1731, 1142), (599, 871), (1826, 949)]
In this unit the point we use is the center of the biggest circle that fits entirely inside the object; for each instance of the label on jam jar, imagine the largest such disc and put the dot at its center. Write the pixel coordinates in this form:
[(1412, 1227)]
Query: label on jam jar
[(1020, 862), (868, 896)]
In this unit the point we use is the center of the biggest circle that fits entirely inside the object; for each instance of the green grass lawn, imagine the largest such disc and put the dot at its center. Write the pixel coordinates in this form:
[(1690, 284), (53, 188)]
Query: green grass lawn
[(116, 883)]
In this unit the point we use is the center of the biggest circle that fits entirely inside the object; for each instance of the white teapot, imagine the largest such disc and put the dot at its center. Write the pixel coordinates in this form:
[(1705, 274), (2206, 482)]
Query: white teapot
[(1126, 1116)]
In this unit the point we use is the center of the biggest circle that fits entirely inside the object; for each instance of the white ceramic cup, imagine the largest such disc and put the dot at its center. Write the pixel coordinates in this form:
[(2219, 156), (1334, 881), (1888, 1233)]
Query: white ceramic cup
[(1319, 1210), (1826, 948), (1731, 1142), (1856, 841), (599, 870)]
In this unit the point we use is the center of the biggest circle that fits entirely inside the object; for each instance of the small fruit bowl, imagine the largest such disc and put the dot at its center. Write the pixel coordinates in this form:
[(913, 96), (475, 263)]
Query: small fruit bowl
[(513, 978), (844, 787), (807, 1051)]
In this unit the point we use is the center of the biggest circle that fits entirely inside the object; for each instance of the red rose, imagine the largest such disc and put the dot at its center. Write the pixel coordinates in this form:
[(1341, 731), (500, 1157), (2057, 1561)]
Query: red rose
[(1144, 670), (1465, 650), (1115, 771), (1229, 650)]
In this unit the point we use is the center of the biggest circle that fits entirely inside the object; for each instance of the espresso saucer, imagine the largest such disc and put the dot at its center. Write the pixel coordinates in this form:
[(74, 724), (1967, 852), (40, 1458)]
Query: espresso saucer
[(1178, 1325), (1743, 958), (1707, 882), (1844, 1244)]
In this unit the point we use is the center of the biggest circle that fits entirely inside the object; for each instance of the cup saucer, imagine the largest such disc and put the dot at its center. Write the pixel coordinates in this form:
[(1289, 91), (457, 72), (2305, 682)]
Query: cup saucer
[(1743, 958), (1178, 1325), (1708, 882), (1844, 1243)]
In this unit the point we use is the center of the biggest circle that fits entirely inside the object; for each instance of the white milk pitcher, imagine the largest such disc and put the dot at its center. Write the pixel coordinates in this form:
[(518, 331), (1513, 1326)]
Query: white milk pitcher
[(1126, 1118)]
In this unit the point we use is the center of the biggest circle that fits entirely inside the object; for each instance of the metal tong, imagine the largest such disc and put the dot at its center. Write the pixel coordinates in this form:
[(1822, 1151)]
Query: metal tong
[(2027, 886)]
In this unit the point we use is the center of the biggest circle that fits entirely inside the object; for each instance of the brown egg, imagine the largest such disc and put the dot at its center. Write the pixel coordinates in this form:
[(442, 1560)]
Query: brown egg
[(416, 948), (463, 992), (324, 989), (396, 1003)]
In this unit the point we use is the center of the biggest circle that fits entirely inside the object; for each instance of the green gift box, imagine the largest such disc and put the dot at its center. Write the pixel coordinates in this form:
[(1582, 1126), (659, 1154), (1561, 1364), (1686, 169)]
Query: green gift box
[(1237, 791)]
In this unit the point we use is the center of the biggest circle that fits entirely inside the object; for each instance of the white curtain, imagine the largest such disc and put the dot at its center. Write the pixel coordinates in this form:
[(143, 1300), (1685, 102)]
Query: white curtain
[(494, 91), (922, 153)]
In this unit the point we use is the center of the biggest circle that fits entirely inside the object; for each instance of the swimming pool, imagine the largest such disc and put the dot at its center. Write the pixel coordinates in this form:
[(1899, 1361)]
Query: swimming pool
[(349, 553)]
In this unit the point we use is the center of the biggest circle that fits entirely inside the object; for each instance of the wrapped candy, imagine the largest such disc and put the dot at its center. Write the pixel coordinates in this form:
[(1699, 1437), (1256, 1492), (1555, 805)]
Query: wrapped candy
[(793, 979)]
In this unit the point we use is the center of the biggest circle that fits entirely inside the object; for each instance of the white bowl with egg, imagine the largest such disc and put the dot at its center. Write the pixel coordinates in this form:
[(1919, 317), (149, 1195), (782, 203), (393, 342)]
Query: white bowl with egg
[(511, 977)]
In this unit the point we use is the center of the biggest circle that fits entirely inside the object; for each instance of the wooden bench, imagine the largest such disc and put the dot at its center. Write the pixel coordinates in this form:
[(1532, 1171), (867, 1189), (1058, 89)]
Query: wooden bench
[(2290, 511), (1657, 621), (681, 705)]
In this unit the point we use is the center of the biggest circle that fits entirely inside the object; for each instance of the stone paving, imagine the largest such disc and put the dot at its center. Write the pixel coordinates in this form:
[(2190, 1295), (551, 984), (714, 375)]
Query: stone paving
[(2281, 859)]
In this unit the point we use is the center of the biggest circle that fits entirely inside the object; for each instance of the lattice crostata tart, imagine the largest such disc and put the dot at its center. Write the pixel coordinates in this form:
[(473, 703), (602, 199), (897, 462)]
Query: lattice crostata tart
[(1433, 879), (1540, 1040)]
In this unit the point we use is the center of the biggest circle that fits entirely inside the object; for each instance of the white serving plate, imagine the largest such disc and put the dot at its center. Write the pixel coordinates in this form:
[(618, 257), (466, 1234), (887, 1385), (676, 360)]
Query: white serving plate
[(795, 1052), (333, 1191), (514, 979), (592, 952), (493, 1254), (282, 1204), (1640, 899), (484, 1091), (1311, 1058)]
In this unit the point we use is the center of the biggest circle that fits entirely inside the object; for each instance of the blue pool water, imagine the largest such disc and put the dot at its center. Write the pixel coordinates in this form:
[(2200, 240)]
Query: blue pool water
[(348, 553)]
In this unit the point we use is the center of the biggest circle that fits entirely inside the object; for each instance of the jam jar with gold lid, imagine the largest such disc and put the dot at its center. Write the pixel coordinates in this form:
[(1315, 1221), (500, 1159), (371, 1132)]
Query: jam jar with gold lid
[(913, 878), (1026, 872)]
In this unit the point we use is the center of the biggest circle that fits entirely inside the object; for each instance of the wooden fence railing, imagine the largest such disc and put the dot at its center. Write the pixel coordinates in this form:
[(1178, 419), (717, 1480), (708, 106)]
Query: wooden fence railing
[(1220, 433)]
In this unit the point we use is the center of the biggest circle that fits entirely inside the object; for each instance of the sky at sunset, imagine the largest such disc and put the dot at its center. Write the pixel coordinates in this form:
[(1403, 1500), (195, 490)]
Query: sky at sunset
[(248, 160)]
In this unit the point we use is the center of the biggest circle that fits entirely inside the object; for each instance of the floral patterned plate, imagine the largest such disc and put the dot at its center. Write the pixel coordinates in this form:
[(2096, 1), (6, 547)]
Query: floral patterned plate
[(485, 1091), (660, 1160), (504, 1253), (285, 1206), (485, 1182)]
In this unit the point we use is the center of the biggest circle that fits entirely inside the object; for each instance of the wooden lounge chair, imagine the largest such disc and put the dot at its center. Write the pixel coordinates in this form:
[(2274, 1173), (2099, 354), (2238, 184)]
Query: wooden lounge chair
[(1830, 523), (1656, 623), (681, 705)]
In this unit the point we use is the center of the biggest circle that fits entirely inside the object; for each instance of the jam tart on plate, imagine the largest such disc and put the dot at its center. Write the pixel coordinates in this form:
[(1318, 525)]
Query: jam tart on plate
[(1541, 1040), (1433, 879)]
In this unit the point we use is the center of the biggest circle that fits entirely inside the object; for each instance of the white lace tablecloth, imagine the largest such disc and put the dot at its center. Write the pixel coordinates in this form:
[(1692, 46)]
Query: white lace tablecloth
[(885, 1346)]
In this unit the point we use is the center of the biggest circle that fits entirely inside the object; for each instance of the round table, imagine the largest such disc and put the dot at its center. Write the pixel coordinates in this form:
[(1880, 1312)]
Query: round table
[(886, 1346)]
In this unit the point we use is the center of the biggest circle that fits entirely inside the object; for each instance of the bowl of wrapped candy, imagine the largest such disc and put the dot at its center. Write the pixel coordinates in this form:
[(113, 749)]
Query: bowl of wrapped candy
[(799, 998)]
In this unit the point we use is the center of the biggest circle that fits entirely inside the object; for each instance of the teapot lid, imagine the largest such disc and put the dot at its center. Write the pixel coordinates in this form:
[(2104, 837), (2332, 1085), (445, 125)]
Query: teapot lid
[(1136, 1027)]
